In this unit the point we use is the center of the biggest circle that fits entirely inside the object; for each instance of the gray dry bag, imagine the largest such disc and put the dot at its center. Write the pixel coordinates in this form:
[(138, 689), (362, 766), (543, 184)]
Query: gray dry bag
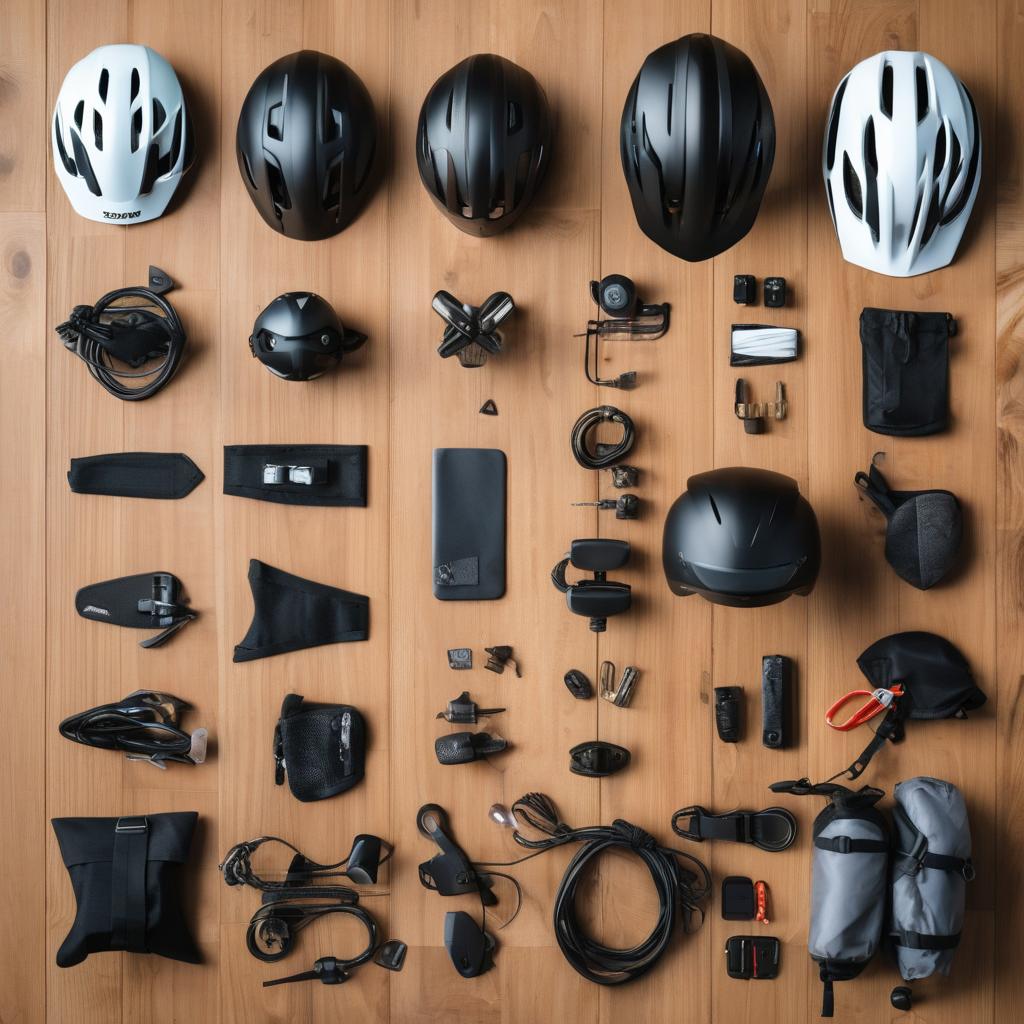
[(930, 871), (850, 865)]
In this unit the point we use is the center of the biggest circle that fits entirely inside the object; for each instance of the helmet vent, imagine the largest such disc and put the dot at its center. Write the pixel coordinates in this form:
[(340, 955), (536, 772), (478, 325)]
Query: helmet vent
[(335, 125), (278, 191), (69, 164), (97, 129), (159, 115), (136, 82), (833, 124), (714, 508), (668, 108), (175, 150), (103, 84), (515, 118), (332, 186), (448, 111), (851, 184), (79, 114), (871, 165), (152, 171), (275, 122), (921, 80), (885, 99), (939, 160), (247, 167), (136, 129)]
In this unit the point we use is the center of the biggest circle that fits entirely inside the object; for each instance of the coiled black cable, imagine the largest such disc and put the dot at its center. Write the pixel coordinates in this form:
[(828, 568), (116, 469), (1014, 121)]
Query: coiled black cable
[(133, 333), (600, 456), (680, 890)]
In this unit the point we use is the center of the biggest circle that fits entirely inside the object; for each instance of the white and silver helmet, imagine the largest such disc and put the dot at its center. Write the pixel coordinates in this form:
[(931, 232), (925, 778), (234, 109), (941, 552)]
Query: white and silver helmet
[(902, 163), (122, 137)]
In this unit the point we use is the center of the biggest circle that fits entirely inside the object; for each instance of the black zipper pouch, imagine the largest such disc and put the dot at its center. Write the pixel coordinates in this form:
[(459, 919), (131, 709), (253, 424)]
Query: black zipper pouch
[(906, 371), (321, 748)]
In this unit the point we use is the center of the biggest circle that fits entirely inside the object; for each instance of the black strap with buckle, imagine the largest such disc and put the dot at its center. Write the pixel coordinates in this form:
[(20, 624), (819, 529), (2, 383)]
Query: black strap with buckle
[(149, 600), (773, 829), (310, 474), (128, 885)]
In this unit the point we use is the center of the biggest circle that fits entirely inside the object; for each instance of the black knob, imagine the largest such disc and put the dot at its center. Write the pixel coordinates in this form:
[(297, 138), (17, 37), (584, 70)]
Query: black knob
[(901, 997)]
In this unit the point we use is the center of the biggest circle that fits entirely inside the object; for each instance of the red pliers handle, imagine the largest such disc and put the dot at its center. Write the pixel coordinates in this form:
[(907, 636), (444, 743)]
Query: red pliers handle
[(878, 701)]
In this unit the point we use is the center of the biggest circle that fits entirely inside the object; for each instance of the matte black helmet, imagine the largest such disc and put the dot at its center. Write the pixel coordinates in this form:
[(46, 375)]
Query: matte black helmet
[(697, 141), (483, 143), (307, 145), (741, 537), (299, 336)]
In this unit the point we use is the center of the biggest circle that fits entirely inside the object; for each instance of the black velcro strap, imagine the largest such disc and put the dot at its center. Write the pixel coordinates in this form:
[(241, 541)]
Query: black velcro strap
[(128, 885), (915, 940), (289, 474), (135, 475), (844, 844)]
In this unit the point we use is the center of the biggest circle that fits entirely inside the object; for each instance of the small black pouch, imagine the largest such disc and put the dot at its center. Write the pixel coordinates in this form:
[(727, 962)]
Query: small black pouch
[(321, 748), (297, 474), (148, 600), (469, 524), (290, 613), (135, 475), (906, 371), (124, 872)]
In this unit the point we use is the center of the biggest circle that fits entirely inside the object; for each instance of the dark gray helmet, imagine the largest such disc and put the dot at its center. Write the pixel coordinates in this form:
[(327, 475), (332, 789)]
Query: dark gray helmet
[(483, 143), (697, 142), (741, 537), (299, 336), (307, 145)]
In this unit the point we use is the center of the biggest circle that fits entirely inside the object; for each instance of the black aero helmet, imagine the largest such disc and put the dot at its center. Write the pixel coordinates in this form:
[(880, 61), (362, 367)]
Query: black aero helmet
[(307, 145), (697, 141), (299, 336), (483, 143), (741, 537)]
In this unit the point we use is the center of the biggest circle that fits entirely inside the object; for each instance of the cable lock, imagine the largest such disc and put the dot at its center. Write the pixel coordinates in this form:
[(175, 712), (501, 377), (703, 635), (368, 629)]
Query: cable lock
[(600, 455)]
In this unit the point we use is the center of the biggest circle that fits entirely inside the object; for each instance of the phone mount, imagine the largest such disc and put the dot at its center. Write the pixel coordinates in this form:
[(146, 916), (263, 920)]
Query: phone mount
[(597, 598), (616, 296), (471, 332)]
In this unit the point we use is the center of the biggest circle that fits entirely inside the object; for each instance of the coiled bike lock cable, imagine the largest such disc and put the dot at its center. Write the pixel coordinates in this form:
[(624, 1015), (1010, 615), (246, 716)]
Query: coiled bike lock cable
[(679, 889), (131, 332), (601, 456)]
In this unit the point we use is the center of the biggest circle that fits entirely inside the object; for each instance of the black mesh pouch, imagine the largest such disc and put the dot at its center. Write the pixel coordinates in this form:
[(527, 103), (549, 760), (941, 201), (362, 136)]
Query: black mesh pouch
[(906, 371), (319, 748), (125, 874)]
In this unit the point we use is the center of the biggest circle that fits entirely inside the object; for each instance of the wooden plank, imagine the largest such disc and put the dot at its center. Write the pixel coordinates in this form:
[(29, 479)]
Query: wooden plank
[(23, 610), (539, 387), (343, 547), (1009, 525)]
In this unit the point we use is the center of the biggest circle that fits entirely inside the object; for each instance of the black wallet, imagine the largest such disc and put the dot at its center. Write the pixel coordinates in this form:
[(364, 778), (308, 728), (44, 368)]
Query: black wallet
[(468, 510)]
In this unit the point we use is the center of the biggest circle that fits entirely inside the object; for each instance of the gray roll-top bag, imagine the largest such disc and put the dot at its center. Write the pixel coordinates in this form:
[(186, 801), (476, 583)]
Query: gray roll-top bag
[(930, 871)]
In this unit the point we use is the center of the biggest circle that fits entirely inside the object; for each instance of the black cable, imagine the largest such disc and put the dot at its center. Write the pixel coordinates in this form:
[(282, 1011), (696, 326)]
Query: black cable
[(144, 724), (133, 334), (272, 929), (600, 456), (679, 889)]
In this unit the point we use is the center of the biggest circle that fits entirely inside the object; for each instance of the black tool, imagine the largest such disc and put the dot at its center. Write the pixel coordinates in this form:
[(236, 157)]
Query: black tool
[(626, 506), (500, 656), (621, 693), (463, 711), (738, 900), (752, 956), (776, 682), (744, 290), (597, 759), (775, 292), (599, 598), (472, 331), (450, 872), (578, 684), (464, 747), (624, 476), (616, 295), (471, 948), (728, 712)]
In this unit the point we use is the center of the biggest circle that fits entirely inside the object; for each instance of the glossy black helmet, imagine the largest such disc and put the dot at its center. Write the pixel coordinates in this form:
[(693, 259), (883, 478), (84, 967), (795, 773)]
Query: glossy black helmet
[(299, 336), (741, 537), (697, 142), (307, 145), (483, 143)]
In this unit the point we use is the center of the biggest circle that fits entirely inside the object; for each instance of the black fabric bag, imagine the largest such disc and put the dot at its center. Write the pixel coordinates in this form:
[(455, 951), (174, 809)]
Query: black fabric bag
[(906, 371), (321, 748), (125, 874)]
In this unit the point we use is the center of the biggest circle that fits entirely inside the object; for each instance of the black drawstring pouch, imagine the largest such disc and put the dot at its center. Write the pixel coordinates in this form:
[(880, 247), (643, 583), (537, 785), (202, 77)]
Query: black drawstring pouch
[(906, 371), (125, 875), (320, 748)]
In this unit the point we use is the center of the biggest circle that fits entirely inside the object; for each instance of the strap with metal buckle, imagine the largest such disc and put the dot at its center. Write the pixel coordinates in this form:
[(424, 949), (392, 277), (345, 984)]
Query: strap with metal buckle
[(878, 701), (305, 475)]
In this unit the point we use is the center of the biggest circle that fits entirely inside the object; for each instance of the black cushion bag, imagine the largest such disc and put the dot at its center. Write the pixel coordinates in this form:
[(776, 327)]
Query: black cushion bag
[(125, 875)]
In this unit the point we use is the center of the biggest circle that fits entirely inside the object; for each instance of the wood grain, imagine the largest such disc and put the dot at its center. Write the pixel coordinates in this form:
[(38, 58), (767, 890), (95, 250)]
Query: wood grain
[(398, 397)]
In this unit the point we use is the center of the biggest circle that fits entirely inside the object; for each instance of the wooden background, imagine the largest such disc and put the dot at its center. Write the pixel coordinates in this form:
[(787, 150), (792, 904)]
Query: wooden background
[(402, 400)]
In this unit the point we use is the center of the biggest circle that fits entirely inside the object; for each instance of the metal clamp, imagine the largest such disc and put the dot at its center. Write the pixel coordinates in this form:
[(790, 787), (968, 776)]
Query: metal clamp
[(306, 475), (621, 694)]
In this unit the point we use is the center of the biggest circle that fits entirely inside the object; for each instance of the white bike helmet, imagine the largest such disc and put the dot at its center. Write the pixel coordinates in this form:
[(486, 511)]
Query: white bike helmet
[(902, 163), (122, 137)]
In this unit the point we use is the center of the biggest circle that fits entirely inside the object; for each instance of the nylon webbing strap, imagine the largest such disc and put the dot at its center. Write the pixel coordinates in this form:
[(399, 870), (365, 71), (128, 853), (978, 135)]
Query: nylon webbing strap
[(128, 885), (844, 844), (135, 475), (915, 940)]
